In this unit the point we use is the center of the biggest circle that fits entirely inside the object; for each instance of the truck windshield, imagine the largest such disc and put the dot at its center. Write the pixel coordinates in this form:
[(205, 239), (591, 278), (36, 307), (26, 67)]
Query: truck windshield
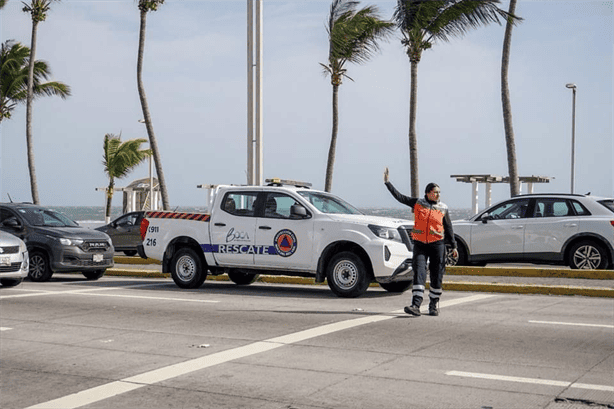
[(45, 217), (328, 203)]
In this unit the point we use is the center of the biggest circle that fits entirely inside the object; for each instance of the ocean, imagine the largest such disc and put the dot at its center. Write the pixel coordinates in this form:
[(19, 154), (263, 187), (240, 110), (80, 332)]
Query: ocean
[(93, 216)]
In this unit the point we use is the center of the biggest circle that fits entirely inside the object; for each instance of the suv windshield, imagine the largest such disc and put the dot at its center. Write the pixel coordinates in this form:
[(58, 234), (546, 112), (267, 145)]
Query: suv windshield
[(45, 217), (329, 203), (608, 203)]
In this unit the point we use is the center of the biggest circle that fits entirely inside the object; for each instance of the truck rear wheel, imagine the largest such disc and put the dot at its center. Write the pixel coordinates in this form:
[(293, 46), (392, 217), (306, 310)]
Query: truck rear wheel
[(241, 278), (186, 268), (347, 275)]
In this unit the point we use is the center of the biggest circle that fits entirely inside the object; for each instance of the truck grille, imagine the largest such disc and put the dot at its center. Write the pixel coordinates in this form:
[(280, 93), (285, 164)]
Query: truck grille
[(9, 250), (405, 232), (95, 246)]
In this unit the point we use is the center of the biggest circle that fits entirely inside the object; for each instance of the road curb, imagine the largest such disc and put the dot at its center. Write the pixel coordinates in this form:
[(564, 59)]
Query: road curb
[(531, 272), (506, 288)]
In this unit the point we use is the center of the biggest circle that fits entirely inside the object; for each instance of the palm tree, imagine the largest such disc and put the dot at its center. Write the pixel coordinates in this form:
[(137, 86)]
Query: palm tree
[(14, 66), (510, 143), (38, 10), (422, 22), (145, 6), (119, 159), (353, 37), (2, 3)]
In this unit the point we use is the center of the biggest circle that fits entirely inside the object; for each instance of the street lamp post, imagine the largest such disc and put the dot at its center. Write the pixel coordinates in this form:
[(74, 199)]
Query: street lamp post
[(573, 135)]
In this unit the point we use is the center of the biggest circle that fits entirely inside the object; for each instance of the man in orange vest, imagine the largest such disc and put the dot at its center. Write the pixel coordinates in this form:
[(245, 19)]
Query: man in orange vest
[(432, 231)]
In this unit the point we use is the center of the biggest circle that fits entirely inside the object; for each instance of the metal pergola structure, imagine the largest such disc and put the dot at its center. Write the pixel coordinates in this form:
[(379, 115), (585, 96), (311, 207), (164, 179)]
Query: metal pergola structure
[(488, 180)]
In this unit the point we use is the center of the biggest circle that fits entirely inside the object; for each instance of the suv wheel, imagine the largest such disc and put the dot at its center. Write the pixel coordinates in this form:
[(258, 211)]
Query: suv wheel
[(93, 275), (40, 270), (186, 269), (589, 255), (347, 275)]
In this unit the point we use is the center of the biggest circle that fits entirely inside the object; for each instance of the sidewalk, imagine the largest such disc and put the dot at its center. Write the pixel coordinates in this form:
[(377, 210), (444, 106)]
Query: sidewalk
[(551, 280)]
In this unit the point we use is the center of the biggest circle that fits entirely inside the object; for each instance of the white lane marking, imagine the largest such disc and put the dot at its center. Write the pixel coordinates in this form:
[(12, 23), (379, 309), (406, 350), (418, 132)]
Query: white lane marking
[(572, 323), (112, 389), (534, 381), (5, 329), (152, 298)]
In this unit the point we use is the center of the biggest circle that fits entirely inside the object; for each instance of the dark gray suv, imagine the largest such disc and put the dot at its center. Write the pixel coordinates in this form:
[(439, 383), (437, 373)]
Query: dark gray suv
[(56, 243)]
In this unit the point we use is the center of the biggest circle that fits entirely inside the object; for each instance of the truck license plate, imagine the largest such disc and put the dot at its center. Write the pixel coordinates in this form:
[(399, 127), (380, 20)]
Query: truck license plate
[(98, 258), (5, 261)]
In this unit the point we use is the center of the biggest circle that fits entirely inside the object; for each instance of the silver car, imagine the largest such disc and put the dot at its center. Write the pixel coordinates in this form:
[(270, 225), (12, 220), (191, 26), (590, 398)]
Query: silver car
[(568, 229), (13, 260)]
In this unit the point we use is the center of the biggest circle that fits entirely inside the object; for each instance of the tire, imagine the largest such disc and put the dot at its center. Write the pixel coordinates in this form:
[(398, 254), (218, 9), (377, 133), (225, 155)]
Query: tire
[(461, 260), (240, 278), (40, 270), (587, 254), (10, 282), (398, 287), (186, 268), (347, 275), (130, 253), (93, 275)]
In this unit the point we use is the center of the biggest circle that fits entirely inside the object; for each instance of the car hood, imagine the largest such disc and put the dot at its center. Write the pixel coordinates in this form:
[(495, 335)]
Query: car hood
[(366, 219), (8, 240), (72, 233)]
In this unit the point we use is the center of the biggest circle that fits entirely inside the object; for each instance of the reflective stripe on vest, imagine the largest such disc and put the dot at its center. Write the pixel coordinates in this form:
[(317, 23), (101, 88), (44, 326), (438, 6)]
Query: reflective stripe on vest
[(428, 221)]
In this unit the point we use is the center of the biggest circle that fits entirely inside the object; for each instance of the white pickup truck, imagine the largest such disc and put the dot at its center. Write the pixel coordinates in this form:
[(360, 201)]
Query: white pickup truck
[(284, 228)]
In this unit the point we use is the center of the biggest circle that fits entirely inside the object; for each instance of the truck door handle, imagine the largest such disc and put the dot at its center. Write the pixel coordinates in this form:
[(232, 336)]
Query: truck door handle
[(264, 227), (220, 224), (570, 225), (517, 227)]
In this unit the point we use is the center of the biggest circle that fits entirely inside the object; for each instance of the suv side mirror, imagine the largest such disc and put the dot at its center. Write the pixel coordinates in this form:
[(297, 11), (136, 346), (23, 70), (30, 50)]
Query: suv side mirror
[(485, 218), (298, 211), (12, 223)]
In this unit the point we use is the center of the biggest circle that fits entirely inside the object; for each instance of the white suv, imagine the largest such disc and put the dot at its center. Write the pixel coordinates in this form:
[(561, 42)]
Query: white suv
[(13, 260), (569, 229)]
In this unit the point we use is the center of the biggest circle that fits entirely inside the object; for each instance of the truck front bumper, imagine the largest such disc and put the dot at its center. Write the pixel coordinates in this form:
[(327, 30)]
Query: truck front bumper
[(403, 272)]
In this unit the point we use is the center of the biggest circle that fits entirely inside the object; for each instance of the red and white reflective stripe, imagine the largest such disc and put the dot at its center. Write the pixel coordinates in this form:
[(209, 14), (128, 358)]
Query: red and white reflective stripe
[(181, 216)]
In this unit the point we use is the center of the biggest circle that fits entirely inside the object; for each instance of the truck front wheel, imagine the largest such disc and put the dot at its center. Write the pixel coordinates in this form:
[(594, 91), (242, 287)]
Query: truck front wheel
[(347, 275), (186, 269)]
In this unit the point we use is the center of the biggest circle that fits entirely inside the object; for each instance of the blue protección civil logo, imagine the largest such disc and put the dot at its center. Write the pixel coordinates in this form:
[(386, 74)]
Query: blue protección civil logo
[(285, 243)]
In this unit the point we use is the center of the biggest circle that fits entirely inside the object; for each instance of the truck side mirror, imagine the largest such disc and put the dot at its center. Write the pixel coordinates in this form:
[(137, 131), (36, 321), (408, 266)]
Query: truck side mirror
[(486, 217), (12, 223), (298, 211)]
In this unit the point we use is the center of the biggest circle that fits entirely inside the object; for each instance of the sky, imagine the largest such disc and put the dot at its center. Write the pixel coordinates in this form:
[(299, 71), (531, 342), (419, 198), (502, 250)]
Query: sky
[(195, 76)]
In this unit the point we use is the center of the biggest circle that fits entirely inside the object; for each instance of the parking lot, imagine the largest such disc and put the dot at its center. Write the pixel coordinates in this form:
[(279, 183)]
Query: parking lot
[(125, 342)]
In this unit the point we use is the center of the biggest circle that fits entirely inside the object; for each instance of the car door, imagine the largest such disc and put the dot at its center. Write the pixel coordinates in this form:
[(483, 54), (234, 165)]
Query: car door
[(125, 230), (289, 238), (232, 229), (553, 222), (501, 230)]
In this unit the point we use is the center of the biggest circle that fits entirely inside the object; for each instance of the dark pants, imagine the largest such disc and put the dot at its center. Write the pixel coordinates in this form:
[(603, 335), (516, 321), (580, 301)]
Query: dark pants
[(435, 254)]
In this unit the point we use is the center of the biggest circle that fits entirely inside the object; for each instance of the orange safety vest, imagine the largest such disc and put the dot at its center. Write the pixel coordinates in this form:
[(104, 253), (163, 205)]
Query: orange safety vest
[(428, 221)]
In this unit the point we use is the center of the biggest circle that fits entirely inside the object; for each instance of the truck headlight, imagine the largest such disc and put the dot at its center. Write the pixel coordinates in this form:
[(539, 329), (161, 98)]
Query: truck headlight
[(385, 232), (71, 242)]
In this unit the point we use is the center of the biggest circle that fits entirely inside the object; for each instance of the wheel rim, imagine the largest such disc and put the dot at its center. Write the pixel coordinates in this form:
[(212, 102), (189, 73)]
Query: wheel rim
[(587, 257), (37, 266), (345, 274), (450, 259), (186, 268)]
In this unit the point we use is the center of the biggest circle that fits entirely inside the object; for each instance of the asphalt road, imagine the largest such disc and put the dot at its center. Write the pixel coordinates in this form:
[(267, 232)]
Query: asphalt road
[(124, 342)]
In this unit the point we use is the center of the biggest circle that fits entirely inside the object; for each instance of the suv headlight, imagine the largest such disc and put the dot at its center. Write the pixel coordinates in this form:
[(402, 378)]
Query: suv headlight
[(386, 232), (70, 242)]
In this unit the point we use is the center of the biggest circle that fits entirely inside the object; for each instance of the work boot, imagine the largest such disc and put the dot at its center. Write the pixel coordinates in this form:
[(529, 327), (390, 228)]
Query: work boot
[(433, 310), (414, 308)]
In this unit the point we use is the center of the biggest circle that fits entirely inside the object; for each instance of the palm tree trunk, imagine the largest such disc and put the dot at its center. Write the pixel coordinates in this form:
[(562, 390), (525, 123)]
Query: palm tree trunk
[(107, 214), (150, 132), (29, 98), (507, 107), (333, 141), (413, 142)]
